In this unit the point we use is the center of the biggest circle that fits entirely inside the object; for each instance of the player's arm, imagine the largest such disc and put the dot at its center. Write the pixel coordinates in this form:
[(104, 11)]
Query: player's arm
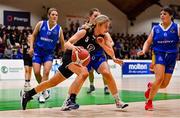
[(109, 41), (76, 37), (33, 37), (61, 39), (108, 49), (22, 47), (178, 30), (146, 45)]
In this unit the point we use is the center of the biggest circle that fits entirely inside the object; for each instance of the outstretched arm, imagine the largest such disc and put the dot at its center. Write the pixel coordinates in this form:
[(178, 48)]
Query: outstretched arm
[(61, 39), (108, 49), (33, 37), (77, 36), (146, 45)]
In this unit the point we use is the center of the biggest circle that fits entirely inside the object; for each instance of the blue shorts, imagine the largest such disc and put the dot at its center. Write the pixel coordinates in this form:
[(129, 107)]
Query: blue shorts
[(166, 59), (41, 56), (96, 60)]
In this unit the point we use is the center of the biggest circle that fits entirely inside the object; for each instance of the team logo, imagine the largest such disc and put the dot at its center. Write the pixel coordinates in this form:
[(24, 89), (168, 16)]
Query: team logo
[(55, 32), (48, 33), (44, 28), (172, 31), (4, 69), (165, 34), (160, 58), (157, 31)]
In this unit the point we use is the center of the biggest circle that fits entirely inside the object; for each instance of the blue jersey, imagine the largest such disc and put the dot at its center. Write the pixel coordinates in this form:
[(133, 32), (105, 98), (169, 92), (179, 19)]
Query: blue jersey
[(47, 38), (165, 40)]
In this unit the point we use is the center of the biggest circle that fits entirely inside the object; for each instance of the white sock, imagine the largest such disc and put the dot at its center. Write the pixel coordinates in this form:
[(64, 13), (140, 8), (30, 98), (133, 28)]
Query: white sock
[(116, 97)]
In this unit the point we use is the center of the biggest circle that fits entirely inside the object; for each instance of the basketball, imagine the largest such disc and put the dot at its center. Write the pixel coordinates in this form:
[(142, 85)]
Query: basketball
[(81, 58)]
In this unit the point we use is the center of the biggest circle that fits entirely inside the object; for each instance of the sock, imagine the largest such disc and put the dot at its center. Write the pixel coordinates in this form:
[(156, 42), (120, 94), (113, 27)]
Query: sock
[(105, 86), (73, 98), (32, 92), (92, 84), (149, 101), (116, 97), (27, 80)]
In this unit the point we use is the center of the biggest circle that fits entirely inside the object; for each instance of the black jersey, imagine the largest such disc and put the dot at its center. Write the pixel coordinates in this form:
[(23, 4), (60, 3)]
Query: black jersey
[(89, 41)]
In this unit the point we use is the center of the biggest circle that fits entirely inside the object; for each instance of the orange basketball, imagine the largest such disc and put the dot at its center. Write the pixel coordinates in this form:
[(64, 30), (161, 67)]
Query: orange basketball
[(81, 58)]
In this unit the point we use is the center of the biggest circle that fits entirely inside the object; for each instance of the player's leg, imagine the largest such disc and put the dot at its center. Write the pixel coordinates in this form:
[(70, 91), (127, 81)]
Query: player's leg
[(56, 79), (163, 74), (107, 75), (37, 71), (159, 75), (91, 80), (106, 90), (47, 64), (46, 93), (151, 68), (82, 74), (27, 85), (166, 80)]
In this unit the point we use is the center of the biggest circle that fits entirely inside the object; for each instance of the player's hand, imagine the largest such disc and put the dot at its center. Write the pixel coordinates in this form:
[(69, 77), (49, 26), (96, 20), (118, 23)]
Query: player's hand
[(76, 48), (100, 40), (118, 61), (140, 53)]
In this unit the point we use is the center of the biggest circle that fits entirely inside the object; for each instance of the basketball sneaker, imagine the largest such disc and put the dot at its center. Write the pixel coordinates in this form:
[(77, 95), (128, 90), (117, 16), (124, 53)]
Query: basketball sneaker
[(68, 105), (44, 96), (41, 98), (121, 105), (25, 99), (91, 89), (149, 105), (146, 94)]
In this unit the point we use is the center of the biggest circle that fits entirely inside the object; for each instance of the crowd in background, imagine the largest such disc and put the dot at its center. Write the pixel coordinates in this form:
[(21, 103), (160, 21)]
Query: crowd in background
[(126, 46)]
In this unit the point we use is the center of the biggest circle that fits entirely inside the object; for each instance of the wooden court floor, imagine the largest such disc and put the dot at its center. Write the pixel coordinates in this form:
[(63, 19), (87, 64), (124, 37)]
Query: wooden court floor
[(163, 108)]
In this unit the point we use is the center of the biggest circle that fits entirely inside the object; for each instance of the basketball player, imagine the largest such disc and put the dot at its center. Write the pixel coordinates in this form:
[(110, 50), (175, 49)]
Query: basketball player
[(67, 68), (94, 39), (93, 13), (43, 42), (27, 63), (164, 39)]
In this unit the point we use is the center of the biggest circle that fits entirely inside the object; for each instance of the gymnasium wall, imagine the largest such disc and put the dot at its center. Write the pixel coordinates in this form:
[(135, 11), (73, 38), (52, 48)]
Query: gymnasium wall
[(144, 20), (80, 8), (66, 7)]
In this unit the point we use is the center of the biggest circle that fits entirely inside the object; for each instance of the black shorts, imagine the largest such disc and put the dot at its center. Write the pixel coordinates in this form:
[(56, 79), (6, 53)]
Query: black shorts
[(27, 61), (66, 60)]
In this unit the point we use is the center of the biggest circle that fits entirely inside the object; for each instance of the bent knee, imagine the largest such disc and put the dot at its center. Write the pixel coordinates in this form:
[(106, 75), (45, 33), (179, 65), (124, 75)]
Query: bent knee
[(164, 85), (85, 74), (105, 73)]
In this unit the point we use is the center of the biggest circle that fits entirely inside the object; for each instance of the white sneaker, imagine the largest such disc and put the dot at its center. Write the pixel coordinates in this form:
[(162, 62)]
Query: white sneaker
[(46, 94), (121, 105), (41, 99), (27, 86)]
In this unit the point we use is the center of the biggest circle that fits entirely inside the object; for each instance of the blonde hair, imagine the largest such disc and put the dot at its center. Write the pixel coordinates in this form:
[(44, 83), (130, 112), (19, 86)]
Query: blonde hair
[(101, 19)]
